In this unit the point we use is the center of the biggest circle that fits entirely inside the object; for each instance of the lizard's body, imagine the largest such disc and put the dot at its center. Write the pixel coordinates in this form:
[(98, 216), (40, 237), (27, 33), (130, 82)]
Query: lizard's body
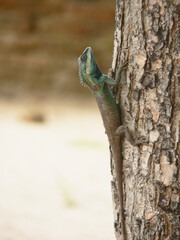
[(92, 77)]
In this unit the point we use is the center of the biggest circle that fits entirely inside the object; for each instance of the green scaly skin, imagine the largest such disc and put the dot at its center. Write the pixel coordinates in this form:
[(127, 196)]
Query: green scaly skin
[(92, 77)]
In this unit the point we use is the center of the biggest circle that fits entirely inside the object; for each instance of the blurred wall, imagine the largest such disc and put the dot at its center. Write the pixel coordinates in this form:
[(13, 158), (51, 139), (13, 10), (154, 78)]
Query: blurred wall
[(40, 41)]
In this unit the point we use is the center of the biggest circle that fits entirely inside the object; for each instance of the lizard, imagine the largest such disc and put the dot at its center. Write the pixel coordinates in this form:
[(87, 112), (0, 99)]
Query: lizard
[(92, 77)]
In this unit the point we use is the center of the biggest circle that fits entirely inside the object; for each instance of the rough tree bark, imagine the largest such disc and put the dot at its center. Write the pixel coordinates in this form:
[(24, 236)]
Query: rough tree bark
[(146, 36)]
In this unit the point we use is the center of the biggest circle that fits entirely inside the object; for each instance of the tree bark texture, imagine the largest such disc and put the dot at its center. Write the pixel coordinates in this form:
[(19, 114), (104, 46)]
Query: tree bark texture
[(147, 36)]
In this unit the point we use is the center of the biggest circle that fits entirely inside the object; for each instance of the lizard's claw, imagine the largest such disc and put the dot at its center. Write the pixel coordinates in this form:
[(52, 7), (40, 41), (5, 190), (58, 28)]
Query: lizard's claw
[(122, 67)]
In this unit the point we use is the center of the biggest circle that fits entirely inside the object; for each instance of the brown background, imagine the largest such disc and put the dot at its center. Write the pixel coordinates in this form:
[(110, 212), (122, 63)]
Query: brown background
[(40, 42)]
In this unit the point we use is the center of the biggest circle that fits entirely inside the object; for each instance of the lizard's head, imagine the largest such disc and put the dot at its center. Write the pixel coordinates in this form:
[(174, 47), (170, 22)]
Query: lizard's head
[(89, 72)]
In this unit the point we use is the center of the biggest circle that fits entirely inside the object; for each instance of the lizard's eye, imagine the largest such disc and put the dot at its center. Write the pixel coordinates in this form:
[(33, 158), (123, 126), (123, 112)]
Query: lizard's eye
[(83, 57)]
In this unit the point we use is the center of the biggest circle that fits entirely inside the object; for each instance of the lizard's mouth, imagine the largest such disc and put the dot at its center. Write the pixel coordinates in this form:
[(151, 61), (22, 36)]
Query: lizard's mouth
[(84, 66), (87, 49)]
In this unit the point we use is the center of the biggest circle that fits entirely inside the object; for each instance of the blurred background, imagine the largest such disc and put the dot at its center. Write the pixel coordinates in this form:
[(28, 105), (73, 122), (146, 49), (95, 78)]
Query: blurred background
[(54, 158)]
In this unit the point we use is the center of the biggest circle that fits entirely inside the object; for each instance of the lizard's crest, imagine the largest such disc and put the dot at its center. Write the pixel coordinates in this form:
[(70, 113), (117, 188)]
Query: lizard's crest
[(89, 72)]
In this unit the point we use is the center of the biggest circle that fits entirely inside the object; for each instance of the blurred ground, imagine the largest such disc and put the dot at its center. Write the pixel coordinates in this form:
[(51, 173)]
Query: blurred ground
[(54, 174)]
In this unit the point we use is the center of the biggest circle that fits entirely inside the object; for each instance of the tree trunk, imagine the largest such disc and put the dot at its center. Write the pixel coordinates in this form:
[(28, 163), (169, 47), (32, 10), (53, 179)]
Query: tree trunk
[(146, 36)]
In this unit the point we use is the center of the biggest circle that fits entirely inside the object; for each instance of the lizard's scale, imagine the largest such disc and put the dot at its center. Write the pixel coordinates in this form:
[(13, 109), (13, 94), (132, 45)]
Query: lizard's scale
[(92, 77)]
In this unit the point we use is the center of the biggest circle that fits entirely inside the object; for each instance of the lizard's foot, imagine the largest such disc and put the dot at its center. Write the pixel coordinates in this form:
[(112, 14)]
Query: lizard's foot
[(124, 131), (120, 69)]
